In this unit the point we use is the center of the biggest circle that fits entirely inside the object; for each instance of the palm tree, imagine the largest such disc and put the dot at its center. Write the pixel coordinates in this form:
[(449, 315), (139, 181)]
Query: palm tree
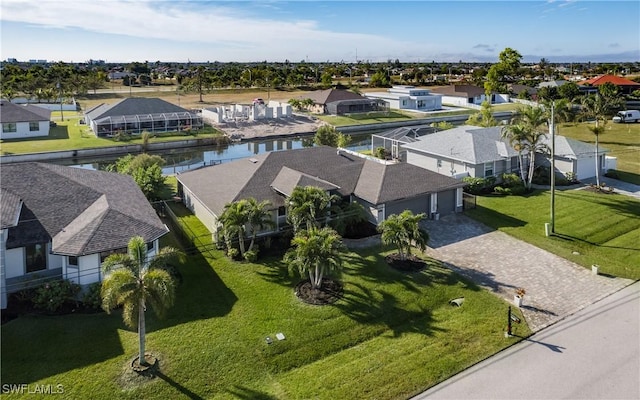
[(259, 217), (308, 206), (134, 281), (525, 132), (402, 231), (234, 219), (596, 107), (316, 251), (515, 133)]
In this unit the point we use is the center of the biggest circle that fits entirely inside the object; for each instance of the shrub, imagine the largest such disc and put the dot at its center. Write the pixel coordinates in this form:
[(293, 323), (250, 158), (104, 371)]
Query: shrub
[(571, 177), (251, 255), (232, 253), (612, 173), (53, 295), (511, 180), (502, 190), (479, 185), (91, 298)]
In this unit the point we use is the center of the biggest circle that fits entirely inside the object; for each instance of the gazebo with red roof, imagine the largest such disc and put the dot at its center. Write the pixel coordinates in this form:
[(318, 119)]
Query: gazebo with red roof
[(626, 86)]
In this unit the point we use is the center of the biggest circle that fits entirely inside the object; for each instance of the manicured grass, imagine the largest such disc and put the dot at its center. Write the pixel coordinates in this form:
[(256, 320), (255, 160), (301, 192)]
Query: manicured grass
[(623, 141), (592, 228), (391, 336), (70, 135)]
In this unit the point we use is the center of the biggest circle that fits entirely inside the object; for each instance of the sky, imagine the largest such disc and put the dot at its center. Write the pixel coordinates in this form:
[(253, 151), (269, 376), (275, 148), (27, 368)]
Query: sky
[(318, 31)]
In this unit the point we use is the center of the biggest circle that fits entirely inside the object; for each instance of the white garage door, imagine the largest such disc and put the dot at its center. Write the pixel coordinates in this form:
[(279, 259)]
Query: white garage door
[(586, 168)]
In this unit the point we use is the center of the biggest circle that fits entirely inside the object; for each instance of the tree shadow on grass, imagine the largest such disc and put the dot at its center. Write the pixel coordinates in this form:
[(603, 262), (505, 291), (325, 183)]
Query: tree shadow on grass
[(242, 392), (365, 306), (183, 390)]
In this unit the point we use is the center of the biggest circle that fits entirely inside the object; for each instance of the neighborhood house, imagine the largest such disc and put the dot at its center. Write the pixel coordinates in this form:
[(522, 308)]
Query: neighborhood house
[(382, 188), (137, 114), (409, 98), (61, 222), (23, 121)]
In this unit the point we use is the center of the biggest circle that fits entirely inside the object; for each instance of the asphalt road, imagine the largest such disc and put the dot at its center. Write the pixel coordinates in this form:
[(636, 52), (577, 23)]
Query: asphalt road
[(593, 354)]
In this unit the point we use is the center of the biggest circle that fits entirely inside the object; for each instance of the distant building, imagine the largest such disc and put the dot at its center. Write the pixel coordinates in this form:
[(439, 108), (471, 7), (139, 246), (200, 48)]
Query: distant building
[(409, 98)]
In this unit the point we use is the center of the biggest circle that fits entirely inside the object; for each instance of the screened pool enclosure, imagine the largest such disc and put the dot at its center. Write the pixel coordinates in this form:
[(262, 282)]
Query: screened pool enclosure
[(136, 124)]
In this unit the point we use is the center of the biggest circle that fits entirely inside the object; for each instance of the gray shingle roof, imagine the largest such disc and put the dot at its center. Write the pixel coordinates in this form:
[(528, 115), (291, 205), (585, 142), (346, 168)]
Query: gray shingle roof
[(466, 143), (10, 206), (287, 180), (372, 181), (10, 112), (134, 106), (573, 149), (330, 95), (80, 211)]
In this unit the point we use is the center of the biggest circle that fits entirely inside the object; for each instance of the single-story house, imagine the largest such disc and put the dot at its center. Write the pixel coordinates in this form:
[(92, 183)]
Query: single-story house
[(61, 222), (461, 95), (574, 156), (383, 188), (464, 151), (23, 121), (137, 114), (626, 86), (406, 97), (339, 101), (483, 152), (517, 89)]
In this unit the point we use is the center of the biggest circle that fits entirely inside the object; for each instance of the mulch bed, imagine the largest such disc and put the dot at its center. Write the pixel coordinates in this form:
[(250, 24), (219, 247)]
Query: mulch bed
[(603, 190), (410, 264), (329, 292)]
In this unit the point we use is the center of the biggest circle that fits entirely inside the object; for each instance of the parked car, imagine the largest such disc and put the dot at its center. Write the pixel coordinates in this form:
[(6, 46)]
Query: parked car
[(627, 116), (258, 101)]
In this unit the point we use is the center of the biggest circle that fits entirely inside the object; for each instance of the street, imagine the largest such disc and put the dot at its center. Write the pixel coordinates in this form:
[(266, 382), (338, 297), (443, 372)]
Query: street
[(593, 354)]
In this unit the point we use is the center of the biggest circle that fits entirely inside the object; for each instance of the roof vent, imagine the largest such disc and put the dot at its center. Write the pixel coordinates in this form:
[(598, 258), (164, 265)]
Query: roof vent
[(253, 160)]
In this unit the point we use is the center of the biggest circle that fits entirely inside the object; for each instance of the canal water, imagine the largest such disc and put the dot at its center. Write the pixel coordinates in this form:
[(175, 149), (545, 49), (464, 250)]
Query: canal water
[(184, 159)]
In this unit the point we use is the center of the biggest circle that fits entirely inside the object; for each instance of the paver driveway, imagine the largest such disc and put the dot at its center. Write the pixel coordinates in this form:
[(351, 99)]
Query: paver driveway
[(555, 287)]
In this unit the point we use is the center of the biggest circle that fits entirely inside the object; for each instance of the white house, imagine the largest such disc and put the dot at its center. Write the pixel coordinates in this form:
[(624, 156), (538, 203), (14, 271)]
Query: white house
[(61, 222), (409, 98), (23, 121), (461, 95)]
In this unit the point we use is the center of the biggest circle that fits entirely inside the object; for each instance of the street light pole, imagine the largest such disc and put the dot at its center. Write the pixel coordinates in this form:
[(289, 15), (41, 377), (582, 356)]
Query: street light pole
[(552, 129)]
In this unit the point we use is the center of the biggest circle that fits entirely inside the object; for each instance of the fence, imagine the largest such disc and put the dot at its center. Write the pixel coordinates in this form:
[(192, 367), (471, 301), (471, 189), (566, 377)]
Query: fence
[(468, 201), (192, 243)]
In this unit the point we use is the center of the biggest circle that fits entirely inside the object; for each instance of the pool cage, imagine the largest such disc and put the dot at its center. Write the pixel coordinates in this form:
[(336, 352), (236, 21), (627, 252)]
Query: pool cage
[(392, 139), (136, 124)]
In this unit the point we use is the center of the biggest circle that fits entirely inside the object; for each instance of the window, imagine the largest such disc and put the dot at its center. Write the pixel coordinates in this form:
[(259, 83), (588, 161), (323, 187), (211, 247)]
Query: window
[(9, 127), (36, 257), (72, 261), (150, 246), (34, 126), (282, 211), (488, 169), (105, 254)]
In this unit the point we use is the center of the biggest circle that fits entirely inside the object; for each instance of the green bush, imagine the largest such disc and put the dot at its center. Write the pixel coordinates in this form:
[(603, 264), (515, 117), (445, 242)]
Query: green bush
[(479, 185), (53, 295), (511, 180), (232, 253), (382, 153), (91, 298), (251, 255), (612, 173)]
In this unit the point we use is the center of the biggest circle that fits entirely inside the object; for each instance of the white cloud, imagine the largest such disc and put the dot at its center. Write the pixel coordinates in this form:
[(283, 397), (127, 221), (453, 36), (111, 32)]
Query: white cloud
[(215, 25)]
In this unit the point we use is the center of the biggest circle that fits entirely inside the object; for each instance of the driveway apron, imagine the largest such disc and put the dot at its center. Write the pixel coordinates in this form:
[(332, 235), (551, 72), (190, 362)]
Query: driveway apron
[(555, 287)]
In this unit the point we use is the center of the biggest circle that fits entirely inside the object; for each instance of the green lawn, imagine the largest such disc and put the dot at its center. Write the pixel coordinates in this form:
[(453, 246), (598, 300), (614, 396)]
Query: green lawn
[(70, 135), (623, 141), (382, 117), (591, 228), (391, 336)]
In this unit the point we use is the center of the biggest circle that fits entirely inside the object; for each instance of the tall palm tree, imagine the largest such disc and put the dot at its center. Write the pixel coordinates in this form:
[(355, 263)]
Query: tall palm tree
[(596, 107), (259, 218), (526, 132), (515, 134), (402, 231), (308, 206), (316, 251), (134, 280), (234, 220)]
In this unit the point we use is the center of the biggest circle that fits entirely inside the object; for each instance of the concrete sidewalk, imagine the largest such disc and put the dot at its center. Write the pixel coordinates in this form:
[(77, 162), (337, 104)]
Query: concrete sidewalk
[(556, 288)]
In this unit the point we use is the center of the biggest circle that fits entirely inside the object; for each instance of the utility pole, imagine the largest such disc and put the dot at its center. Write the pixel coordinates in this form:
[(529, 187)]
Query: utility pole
[(552, 131)]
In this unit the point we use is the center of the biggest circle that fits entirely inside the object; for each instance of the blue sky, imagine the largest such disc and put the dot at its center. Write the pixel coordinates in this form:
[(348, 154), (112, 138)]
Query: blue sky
[(182, 30)]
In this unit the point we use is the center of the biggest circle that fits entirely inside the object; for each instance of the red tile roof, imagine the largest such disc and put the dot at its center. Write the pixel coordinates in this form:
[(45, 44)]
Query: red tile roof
[(616, 80)]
